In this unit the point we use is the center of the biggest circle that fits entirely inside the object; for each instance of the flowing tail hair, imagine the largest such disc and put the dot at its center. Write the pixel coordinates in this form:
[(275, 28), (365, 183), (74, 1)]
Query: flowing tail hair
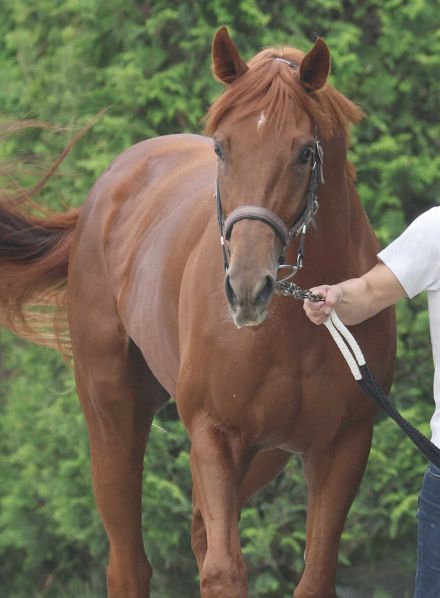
[(34, 259)]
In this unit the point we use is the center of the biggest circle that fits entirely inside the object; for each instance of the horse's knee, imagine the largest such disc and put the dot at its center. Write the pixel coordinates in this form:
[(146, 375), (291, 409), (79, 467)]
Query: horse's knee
[(129, 581), (224, 578)]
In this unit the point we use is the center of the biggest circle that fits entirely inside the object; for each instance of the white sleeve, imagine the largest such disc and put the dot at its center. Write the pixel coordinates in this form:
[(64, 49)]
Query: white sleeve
[(414, 257)]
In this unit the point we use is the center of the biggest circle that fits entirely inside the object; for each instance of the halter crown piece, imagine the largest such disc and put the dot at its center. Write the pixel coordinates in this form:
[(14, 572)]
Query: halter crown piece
[(292, 64)]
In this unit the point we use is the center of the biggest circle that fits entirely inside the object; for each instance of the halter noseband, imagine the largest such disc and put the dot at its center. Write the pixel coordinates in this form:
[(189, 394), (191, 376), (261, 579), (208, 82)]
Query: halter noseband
[(254, 212)]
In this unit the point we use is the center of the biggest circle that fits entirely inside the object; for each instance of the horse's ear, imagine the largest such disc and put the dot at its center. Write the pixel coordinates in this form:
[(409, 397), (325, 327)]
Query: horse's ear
[(315, 66), (227, 64)]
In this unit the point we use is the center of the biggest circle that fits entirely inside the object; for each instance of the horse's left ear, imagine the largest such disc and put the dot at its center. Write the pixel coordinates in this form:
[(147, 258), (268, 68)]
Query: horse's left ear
[(227, 64), (315, 66)]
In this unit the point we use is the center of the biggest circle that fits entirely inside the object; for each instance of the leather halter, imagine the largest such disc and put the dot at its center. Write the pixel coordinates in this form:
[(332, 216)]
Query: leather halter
[(254, 212)]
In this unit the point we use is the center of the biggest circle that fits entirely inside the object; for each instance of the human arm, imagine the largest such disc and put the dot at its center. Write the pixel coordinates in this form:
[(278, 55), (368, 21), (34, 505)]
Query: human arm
[(357, 299), (408, 266)]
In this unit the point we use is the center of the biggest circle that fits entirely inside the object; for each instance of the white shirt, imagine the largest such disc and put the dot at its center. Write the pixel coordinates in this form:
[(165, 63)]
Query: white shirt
[(414, 258)]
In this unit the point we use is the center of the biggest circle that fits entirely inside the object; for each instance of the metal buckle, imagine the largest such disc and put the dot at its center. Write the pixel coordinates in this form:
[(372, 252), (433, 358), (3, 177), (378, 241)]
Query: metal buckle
[(293, 270)]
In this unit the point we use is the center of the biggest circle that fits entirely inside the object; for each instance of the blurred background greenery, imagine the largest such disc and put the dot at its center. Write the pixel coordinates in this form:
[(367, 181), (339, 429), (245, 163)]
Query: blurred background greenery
[(149, 63)]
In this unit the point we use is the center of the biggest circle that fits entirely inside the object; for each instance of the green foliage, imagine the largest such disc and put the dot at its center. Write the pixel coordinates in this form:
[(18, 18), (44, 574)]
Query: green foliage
[(48, 521), (148, 63)]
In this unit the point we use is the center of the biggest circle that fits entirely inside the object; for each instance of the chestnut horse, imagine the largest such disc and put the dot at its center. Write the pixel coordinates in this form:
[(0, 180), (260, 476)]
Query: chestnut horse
[(151, 314)]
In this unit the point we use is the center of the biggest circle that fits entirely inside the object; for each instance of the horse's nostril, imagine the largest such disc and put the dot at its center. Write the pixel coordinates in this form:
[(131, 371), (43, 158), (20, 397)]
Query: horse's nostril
[(230, 293), (266, 291)]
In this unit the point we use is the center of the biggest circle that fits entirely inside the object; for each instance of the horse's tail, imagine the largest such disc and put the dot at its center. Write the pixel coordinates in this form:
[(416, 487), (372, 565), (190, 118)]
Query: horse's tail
[(34, 258)]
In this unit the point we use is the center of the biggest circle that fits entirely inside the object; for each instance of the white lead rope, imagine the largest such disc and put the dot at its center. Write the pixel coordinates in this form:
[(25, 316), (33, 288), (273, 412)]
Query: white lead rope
[(346, 344)]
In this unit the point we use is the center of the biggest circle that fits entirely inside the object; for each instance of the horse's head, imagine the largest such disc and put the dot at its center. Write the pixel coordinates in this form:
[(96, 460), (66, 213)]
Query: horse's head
[(265, 133)]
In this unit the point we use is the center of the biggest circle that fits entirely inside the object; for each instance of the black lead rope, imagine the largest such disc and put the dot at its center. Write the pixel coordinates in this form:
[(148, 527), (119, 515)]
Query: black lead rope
[(363, 375), (369, 385), (371, 388)]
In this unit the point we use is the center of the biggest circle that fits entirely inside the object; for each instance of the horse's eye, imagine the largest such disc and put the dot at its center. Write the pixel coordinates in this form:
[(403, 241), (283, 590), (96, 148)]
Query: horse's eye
[(305, 155), (218, 150)]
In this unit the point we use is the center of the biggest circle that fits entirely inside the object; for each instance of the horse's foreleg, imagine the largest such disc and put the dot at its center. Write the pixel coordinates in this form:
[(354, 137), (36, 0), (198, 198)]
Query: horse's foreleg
[(119, 398), (264, 467), (333, 477), (218, 464)]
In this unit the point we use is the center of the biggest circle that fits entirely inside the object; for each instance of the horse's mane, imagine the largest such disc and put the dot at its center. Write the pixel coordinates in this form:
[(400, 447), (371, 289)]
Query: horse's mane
[(273, 86)]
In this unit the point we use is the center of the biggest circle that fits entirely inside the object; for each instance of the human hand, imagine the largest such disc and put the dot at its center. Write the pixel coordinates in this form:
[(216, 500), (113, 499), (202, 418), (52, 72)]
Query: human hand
[(319, 312)]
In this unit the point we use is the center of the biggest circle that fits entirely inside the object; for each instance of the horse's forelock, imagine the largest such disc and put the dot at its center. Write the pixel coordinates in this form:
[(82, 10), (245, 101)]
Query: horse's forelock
[(273, 86)]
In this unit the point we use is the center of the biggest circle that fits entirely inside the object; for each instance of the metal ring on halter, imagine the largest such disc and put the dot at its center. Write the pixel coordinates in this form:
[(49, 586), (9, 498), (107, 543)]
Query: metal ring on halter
[(293, 271)]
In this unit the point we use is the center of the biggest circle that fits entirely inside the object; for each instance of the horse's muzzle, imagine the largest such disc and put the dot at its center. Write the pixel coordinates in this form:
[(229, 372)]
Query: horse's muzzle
[(248, 300)]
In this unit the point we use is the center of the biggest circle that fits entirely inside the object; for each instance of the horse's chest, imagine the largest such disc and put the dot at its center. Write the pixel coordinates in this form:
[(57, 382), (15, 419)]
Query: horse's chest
[(272, 407), (275, 389), (264, 412)]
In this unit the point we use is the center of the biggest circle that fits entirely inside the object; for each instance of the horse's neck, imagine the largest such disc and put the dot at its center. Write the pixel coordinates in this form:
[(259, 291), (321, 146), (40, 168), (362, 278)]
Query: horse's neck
[(343, 227)]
